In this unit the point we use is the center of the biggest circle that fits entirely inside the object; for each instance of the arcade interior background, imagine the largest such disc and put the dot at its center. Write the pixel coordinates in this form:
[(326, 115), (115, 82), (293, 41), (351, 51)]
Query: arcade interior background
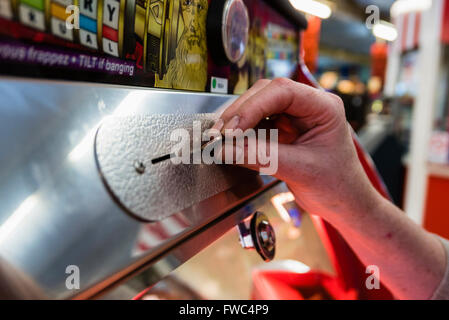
[(389, 64)]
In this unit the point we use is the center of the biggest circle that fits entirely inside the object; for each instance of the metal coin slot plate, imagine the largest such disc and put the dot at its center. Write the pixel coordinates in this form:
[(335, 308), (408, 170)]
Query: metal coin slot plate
[(124, 148)]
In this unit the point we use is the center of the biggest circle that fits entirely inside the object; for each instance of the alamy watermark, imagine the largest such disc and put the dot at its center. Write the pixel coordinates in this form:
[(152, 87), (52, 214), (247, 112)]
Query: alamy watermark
[(72, 282), (373, 280), (257, 147), (373, 17), (73, 20)]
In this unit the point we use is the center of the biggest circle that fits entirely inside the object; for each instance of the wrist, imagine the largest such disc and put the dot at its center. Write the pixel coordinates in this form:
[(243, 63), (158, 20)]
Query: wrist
[(356, 200), (359, 210)]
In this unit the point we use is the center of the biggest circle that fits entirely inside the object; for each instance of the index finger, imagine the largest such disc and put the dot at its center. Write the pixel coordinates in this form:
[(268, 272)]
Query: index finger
[(282, 95), (230, 111)]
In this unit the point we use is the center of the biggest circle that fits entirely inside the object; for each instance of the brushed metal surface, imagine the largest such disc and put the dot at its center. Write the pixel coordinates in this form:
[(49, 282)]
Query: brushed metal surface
[(193, 245), (54, 208), (158, 190)]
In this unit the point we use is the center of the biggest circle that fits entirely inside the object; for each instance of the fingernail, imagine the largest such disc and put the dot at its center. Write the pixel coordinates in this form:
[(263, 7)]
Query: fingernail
[(232, 124), (218, 125)]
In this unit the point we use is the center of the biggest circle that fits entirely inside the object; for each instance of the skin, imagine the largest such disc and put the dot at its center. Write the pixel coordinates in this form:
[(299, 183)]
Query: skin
[(318, 162)]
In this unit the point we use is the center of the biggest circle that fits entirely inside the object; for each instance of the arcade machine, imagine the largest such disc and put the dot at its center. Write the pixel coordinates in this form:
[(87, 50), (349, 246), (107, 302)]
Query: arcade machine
[(91, 90)]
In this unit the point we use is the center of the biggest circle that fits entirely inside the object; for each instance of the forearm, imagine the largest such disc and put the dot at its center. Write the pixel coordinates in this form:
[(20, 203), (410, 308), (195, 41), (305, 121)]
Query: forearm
[(318, 162), (411, 261)]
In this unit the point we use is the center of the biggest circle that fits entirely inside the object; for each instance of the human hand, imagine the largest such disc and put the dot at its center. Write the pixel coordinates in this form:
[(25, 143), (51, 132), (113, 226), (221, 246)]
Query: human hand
[(317, 158)]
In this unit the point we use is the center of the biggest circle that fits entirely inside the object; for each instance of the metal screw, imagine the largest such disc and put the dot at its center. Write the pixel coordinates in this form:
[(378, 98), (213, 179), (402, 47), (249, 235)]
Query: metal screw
[(139, 167)]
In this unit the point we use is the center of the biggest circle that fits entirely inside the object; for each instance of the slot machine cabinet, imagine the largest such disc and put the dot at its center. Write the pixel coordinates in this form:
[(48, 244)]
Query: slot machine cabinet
[(78, 196)]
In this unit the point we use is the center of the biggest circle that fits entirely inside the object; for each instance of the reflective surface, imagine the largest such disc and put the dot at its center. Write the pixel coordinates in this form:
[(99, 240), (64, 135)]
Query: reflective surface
[(157, 190), (54, 209), (224, 270)]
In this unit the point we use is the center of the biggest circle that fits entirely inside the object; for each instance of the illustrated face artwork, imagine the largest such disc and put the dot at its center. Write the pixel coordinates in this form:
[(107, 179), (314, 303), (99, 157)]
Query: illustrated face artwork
[(188, 69)]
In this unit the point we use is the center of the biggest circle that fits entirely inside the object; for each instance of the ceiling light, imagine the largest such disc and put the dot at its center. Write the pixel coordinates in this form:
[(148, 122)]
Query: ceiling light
[(315, 8), (400, 7), (385, 30)]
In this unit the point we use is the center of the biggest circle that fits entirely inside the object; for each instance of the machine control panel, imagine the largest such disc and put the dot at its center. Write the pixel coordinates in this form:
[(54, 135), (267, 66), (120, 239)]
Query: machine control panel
[(172, 44)]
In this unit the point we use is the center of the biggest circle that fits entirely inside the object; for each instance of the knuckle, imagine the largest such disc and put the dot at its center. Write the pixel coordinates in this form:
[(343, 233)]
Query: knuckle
[(336, 99), (262, 82), (283, 82), (337, 103)]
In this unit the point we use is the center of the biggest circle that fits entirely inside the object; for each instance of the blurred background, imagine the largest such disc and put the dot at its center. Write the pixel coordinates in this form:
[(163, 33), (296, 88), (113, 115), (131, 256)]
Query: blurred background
[(388, 61)]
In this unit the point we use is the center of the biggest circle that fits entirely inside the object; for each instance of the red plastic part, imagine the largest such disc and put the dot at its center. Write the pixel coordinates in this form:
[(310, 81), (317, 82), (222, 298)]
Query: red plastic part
[(276, 285), (436, 203)]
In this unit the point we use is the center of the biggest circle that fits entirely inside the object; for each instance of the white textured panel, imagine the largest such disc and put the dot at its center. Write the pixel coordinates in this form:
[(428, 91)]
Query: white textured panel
[(164, 188)]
